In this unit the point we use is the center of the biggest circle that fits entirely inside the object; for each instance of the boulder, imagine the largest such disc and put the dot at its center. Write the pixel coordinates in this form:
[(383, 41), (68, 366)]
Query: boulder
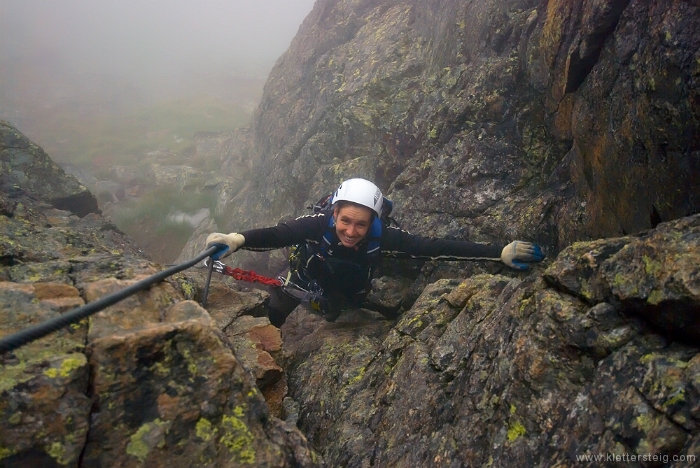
[(25, 168)]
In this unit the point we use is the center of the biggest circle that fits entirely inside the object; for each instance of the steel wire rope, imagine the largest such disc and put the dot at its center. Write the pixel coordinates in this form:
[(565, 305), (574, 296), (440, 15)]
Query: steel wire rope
[(34, 332)]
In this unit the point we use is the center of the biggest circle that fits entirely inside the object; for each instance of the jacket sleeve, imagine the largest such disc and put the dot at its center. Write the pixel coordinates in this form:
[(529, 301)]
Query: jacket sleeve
[(305, 228), (401, 244)]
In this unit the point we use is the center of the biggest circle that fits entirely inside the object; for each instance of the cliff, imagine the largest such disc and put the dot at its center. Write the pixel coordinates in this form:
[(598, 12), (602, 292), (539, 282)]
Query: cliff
[(552, 121), (151, 381), (571, 124)]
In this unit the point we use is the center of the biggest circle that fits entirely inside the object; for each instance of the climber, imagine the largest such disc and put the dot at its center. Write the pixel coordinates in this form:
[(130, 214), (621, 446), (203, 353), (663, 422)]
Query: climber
[(335, 252)]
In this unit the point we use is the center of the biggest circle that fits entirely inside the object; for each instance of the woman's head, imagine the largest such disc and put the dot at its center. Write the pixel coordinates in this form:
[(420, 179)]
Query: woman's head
[(355, 204), (352, 222)]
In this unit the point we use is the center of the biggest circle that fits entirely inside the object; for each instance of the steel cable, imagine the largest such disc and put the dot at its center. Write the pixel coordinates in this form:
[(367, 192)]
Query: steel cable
[(22, 337)]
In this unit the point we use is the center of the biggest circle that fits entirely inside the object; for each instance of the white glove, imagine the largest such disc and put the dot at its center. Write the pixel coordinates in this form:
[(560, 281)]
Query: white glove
[(517, 252), (232, 241)]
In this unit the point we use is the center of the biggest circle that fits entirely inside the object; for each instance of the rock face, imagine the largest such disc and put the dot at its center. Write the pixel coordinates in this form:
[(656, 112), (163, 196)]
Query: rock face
[(552, 121), (598, 356), (150, 381), (574, 124), (26, 168)]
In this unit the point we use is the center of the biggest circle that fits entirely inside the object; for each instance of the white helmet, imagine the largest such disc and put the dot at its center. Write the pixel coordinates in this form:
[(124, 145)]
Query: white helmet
[(360, 191)]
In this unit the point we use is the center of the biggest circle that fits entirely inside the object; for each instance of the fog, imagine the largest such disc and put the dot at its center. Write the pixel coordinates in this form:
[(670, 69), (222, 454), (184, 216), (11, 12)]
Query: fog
[(135, 50)]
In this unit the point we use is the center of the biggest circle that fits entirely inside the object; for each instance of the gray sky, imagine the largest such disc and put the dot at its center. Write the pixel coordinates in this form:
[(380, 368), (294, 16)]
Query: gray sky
[(150, 41)]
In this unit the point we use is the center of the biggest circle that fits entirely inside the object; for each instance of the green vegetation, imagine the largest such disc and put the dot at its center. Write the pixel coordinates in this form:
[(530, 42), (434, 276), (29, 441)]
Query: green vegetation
[(155, 206)]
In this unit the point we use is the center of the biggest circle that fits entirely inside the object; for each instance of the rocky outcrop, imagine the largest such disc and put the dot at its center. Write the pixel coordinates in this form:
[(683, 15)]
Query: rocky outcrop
[(27, 169), (596, 357), (572, 124), (553, 121), (150, 381)]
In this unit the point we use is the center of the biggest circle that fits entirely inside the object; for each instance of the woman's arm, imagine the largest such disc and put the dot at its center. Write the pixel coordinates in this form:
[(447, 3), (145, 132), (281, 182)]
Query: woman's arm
[(399, 243), (305, 228)]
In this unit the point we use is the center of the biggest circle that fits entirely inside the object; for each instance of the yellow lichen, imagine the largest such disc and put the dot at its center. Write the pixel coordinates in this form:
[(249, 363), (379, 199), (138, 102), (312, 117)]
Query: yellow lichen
[(238, 439), (204, 429), (76, 361), (58, 452), (6, 452), (516, 430)]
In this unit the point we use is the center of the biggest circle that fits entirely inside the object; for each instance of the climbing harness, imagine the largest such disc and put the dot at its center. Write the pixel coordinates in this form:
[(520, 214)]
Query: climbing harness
[(22, 337)]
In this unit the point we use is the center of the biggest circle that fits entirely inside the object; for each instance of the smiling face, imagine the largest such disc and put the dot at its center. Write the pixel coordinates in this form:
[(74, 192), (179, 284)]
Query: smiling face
[(352, 222)]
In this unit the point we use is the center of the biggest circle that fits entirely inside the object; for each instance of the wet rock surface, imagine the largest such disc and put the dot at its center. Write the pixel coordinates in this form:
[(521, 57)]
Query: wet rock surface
[(27, 169), (571, 124), (150, 381), (550, 121), (533, 371)]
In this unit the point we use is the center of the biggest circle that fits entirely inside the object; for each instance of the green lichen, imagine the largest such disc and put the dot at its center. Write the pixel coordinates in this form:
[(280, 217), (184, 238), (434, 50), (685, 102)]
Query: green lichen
[(651, 266), (358, 377), (15, 418), (515, 431), (512, 409), (187, 290), (204, 429), (237, 438), (6, 452), (58, 452), (645, 423), (415, 321), (76, 361), (655, 297), (676, 397), (585, 289), (139, 443), (13, 375), (160, 369), (622, 282), (679, 363)]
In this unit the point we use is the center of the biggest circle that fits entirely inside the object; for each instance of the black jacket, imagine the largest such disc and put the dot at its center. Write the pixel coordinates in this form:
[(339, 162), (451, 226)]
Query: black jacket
[(350, 279), (394, 242)]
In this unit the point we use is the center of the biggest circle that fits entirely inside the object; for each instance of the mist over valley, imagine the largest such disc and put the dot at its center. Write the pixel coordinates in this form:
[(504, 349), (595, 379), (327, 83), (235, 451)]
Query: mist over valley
[(111, 89)]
